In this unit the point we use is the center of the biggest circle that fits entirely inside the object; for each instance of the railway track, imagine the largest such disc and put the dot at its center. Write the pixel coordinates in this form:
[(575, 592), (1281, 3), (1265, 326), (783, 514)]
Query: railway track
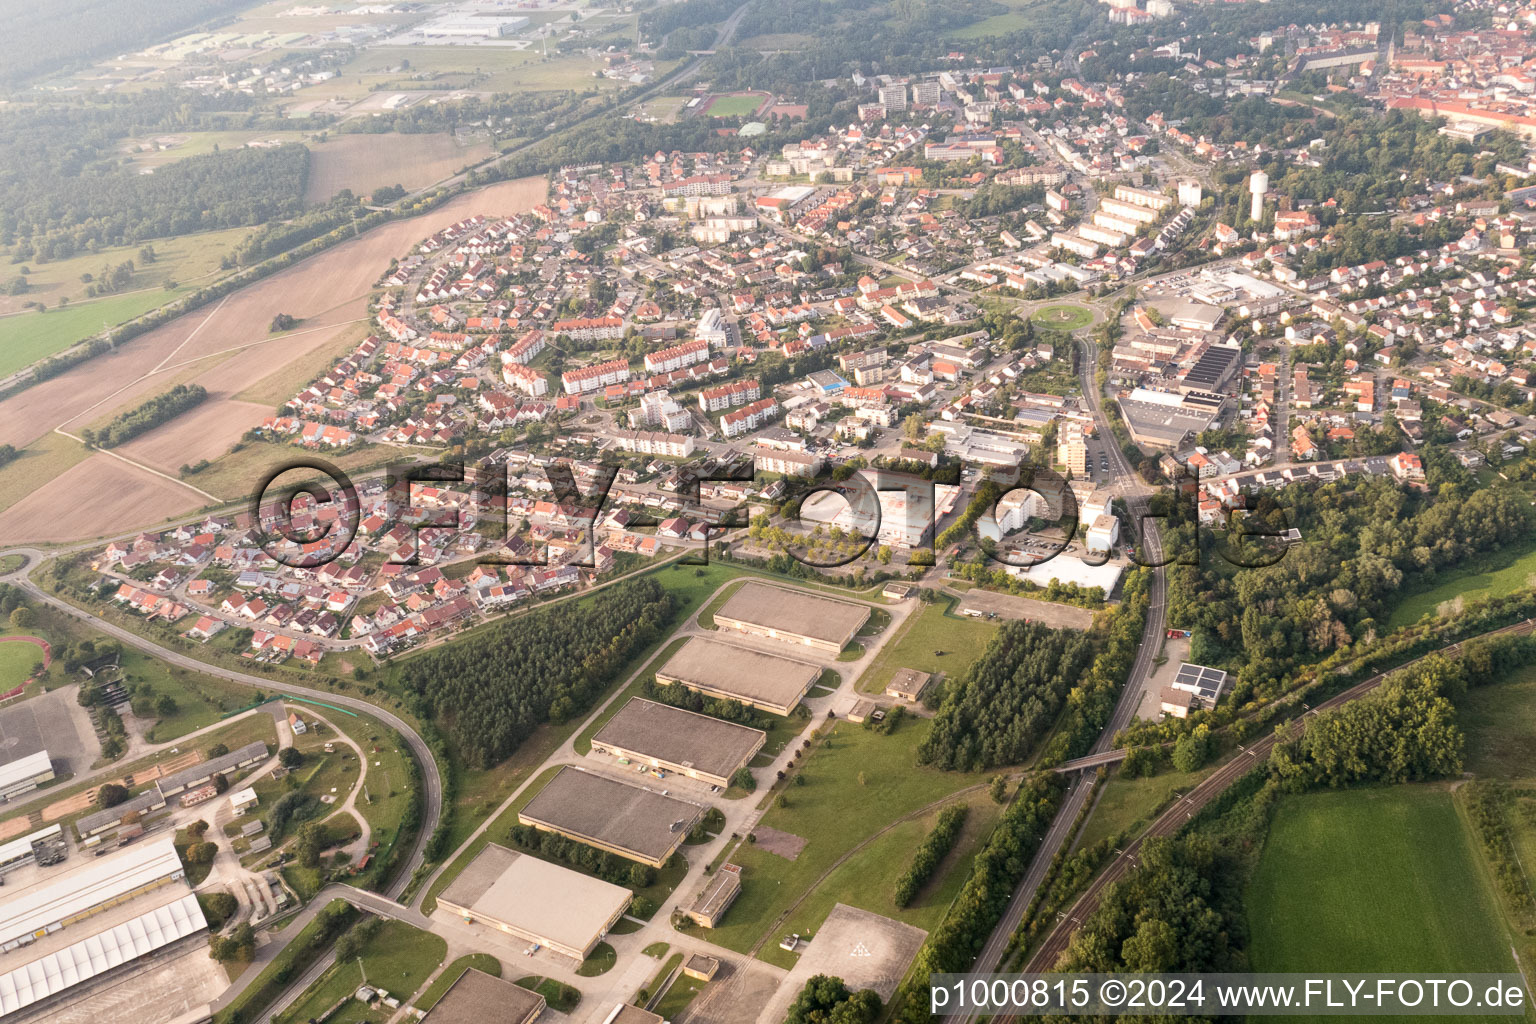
[(1175, 816)]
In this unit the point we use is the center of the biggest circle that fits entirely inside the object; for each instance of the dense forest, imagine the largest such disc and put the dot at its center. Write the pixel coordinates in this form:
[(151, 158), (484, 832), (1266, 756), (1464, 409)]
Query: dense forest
[(1008, 698), (828, 1000), (229, 188), (146, 416), (489, 691), (1363, 543), (1180, 911), (41, 38)]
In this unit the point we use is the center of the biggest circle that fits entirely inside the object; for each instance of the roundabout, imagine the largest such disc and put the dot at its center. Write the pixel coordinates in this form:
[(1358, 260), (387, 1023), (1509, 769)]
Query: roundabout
[(1062, 317)]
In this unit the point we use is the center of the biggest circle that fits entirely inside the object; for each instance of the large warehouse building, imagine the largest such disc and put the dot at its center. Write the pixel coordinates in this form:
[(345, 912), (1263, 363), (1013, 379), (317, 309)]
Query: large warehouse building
[(698, 746), (615, 816), (477, 998), (535, 900), (794, 615), (25, 774), (83, 923), (719, 669)]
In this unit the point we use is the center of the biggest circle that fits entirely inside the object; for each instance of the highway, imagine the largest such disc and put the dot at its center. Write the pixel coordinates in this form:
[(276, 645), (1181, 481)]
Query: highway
[(432, 807), (1078, 789)]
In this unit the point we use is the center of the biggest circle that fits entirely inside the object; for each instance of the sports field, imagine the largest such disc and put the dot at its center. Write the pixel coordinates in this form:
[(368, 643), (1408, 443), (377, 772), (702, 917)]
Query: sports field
[(1062, 317), (735, 105), (1373, 880)]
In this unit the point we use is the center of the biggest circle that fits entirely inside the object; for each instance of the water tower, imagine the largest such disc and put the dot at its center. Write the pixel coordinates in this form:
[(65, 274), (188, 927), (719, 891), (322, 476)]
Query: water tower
[(1258, 184)]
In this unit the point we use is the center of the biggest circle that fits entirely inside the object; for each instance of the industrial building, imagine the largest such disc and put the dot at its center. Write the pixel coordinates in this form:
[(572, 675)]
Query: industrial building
[(80, 924), (908, 684), (1165, 420), (62, 901), (761, 680), (537, 901), (477, 998), (618, 817), (1193, 687), (685, 742), (44, 848), (156, 796), (25, 774), (794, 615), (715, 897)]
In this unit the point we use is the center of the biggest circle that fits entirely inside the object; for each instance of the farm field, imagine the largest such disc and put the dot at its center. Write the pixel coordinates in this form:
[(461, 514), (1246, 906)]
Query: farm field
[(1015, 20), (1498, 576), (1373, 880), (96, 497), (934, 628), (151, 151), (328, 291), (363, 163)]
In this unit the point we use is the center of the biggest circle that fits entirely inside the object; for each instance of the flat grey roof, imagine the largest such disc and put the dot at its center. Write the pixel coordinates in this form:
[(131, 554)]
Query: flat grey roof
[(613, 813), (477, 998), (537, 897), (670, 734), (750, 675), (795, 611)]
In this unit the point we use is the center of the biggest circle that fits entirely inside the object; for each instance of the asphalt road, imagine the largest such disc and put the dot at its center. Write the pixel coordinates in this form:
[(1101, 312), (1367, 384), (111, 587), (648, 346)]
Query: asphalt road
[(1078, 791)]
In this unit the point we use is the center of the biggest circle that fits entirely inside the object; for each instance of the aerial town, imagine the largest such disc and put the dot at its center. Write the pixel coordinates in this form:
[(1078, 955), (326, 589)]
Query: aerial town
[(639, 513)]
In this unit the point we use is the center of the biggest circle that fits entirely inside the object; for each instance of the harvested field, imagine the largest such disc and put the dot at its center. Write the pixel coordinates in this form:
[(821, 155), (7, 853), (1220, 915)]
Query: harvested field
[(205, 432), (363, 163), (96, 497), (313, 291), (228, 341)]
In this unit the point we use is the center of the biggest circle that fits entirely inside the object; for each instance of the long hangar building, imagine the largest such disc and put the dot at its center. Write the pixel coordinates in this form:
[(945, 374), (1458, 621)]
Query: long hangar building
[(620, 818), (82, 923), (780, 613), (718, 669), (698, 746)]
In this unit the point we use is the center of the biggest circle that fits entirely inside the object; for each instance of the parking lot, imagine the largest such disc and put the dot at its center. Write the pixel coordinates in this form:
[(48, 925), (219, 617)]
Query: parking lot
[(47, 722)]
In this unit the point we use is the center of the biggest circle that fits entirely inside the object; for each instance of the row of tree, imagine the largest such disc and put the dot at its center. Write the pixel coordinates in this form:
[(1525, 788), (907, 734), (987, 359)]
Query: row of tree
[(146, 416), (929, 852)]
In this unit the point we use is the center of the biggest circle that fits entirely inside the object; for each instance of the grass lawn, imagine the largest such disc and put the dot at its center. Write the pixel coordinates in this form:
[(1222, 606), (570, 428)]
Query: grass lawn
[(265, 987), (200, 700), (1128, 805), (558, 995), (398, 959), (1496, 575), (482, 962), (1064, 317), (599, 961), (673, 963), (867, 879), (1373, 880), (1499, 721), (933, 628), (679, 994), (834, 813)]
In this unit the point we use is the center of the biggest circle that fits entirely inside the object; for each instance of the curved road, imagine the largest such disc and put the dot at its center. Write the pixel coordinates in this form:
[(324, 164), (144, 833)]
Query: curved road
[(432, 807)]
